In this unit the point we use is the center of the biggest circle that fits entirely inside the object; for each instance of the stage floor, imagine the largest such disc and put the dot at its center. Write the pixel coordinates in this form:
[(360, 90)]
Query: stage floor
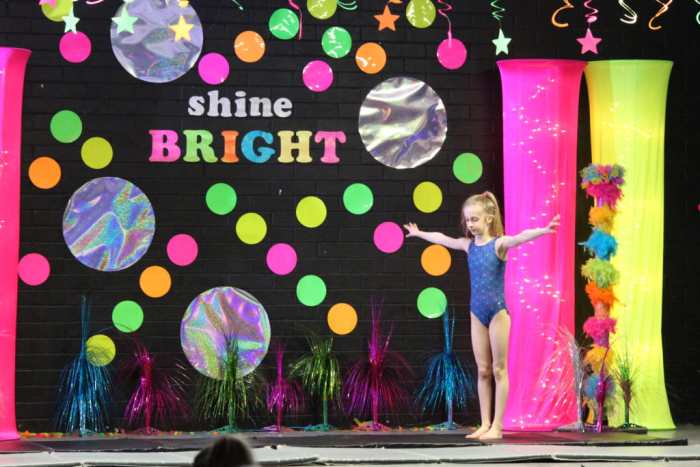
[(358, 448)]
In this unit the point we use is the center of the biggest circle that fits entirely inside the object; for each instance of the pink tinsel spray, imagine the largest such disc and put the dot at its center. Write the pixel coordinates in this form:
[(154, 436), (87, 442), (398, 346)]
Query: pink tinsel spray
[(159, 395), (283, 394)]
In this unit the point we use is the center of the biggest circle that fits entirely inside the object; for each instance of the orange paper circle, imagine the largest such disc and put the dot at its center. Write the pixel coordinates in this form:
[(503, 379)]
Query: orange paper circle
[(249, 46), (436, 260), (342, 318), (155, 281), (370, 58), (44, 172)]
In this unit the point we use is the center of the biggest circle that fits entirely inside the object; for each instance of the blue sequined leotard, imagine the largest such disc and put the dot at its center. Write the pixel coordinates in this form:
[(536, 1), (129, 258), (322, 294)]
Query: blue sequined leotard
[(486, 271)]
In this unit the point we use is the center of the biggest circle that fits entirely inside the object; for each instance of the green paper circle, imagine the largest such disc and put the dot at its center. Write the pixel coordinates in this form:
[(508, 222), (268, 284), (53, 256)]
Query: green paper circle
[(336, 42), (127, 316), (311, 211), (221, 198), (421, 13), (96, 152), (467, 167), (358, 198), (432, 302), (251, 228), (283, 24), (322, 9), (66, 126), (311, 290)]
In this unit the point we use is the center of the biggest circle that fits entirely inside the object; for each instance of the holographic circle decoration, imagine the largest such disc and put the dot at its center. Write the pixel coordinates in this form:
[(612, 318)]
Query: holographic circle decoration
[(156, 41), (213, 319), (108, 224), (403, 123)]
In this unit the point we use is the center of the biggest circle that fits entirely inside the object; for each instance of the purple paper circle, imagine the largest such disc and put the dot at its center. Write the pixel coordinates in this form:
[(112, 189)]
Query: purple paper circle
[(281, 258), (213, 68), (388, 237), (75, 47), (216, 317), (182, 249), (452, 53), (318, 76)]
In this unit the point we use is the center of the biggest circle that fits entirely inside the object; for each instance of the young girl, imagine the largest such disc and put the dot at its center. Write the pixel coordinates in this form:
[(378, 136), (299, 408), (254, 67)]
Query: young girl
[(486, 249)]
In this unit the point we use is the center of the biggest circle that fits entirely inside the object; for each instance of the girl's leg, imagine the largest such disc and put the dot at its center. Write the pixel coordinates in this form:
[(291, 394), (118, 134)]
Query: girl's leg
[(499, 332), (482, 356)]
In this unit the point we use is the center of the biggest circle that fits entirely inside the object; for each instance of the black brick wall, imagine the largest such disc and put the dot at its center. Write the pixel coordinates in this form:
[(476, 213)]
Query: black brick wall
[(122, 109)]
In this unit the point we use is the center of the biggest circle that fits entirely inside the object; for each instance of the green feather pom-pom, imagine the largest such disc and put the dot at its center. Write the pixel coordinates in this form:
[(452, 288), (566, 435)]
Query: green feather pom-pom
[(602, 272)]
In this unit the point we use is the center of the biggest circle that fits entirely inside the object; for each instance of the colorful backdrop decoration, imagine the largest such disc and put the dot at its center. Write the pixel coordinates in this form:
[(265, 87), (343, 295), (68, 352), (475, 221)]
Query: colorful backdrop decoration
[(12, 66), (451, 52), (540, 122), (501, 42), (283, 395), (630, 131), (602, 183)]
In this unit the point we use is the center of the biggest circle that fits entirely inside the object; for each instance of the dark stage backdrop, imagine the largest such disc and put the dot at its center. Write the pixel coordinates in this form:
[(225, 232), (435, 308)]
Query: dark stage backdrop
[(122, 109)]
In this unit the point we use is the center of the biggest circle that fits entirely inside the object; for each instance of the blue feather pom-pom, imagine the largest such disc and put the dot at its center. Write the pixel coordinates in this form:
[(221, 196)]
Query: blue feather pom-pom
[(601, 244)]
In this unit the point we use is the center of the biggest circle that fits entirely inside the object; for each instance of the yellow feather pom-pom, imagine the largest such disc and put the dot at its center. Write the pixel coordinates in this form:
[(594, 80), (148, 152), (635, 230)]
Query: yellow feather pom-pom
[(601, 217)]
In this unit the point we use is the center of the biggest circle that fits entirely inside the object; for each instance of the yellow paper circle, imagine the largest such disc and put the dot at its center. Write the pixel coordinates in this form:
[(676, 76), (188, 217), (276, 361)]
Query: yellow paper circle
[(436, 260), (155, 281), (56, 13), (311, 212), (100, 350), (96, 153), (251, 228), (427, 197), (342, 318)]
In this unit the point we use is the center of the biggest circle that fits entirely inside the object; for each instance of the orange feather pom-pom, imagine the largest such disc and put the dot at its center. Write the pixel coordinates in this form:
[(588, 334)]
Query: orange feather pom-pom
[(600, 295), (601, 217)]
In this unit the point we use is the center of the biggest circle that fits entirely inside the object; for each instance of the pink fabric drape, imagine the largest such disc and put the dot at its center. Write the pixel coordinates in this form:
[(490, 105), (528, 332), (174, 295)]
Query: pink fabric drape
[(12, 66), (540, 120)]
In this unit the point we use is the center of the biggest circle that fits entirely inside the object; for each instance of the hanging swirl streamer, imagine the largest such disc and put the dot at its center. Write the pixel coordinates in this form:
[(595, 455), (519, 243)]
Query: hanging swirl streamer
[(301, 24), (497, 11), (662, 10), (697, 16), (93, 2), (630, 16), (567, 6), (443, 10), (240, 7), (592, 15), (349, 6)]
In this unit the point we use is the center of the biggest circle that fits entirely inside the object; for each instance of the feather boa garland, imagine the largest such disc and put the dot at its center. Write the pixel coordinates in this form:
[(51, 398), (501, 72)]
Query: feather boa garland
[(84, 390), (601, 217), (378, 383), (594, 358), (446, 384), (600, 295), (601, 244), (599, 329), (602, 272), (158, 397)]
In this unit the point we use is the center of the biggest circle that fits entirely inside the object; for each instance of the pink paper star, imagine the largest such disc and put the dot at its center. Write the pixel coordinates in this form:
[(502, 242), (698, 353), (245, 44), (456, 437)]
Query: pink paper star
[(589, 43), (48, 2)]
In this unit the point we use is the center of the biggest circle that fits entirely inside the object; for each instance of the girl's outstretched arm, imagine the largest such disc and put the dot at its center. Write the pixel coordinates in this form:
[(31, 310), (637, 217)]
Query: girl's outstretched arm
[(461, 243), (510, 241)]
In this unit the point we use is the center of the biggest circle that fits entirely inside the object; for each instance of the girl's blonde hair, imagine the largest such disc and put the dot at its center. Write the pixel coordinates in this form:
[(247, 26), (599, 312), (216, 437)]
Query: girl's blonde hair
[(488, 201)]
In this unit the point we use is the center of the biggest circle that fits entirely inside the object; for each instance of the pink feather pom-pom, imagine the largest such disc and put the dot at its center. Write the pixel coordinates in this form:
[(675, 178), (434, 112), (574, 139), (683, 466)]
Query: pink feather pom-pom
[(599, 329)]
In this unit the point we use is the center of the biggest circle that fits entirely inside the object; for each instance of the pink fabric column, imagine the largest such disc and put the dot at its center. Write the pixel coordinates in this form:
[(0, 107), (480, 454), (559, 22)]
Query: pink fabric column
[(540, 119), (12, 66)]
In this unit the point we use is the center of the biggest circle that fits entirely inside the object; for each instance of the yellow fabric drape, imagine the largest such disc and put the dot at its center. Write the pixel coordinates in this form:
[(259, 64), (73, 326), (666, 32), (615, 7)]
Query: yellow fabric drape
[(628, 115)]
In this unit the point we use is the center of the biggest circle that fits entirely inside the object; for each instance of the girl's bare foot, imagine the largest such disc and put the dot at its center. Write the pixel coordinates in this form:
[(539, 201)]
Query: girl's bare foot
[(479, 432), (493, 433)]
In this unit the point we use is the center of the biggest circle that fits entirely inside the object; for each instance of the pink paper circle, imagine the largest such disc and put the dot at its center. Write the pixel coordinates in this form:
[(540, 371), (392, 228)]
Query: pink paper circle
[(388, 237), (452, 53), (317, 75), (33, 269), (75, 47), (281, 259), (182, 249), (213, 68)]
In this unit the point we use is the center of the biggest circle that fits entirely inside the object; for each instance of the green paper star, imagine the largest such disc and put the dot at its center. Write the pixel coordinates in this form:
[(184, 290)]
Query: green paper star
[(501, 42), (71, 22), (125, 22)]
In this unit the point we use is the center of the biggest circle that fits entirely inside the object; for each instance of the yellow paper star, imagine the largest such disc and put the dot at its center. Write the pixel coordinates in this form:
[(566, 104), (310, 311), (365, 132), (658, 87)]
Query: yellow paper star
[(182, 29), (386, 19)]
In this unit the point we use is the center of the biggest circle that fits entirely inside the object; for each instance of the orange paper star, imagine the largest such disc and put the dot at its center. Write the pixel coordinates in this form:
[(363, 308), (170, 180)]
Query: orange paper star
[(386, 19)]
